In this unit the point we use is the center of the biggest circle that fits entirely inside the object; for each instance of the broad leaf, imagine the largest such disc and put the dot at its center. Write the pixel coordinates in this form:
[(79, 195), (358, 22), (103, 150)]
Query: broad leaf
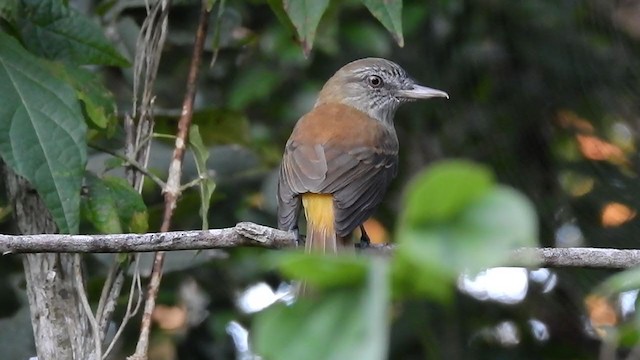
[(620, 282), (469, 228), (346, 324), (53, 30), (305, 16), (132, 210), (113, 206), (99, 207), (389, 13), (321, 270), (444, 189), (42, 131)]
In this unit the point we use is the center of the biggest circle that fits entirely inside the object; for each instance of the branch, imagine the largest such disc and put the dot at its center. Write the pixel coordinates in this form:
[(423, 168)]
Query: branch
[(246, 234), (243, 234)]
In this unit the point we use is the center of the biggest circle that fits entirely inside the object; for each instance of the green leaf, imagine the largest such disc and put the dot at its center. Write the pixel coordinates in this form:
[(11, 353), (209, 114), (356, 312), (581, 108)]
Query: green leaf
[(353, 321), (246, 89), (8, 9), (210, 4), (320, 270), (620, 282), (132, 210), (99, 104), (478, 229), (305, 16), (207, 185), (99, 207), (42, 131), (389, 13), (278, 9), (112, 206), (444, 189), (49, 28)]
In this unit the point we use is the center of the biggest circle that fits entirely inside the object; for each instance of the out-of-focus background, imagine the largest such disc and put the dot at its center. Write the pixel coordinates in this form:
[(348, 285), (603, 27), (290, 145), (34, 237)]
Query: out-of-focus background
[(546, 93)]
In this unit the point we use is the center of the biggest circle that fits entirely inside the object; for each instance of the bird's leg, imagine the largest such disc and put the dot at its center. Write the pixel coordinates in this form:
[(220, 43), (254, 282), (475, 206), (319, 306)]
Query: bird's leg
[(365, 241), (300, 239)]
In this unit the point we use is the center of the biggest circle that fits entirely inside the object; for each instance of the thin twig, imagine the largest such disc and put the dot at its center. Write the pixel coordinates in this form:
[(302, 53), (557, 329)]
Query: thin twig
[(82, 294), (172, 188), (134, 163), (136, 288)]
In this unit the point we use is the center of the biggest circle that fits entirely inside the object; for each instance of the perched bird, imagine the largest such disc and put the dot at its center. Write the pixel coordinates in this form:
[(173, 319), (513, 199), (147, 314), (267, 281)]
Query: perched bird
[(343, 154)]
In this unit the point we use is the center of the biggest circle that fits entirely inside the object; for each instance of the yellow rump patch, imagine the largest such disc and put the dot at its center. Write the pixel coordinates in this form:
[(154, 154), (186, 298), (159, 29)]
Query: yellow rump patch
[(318, 209)]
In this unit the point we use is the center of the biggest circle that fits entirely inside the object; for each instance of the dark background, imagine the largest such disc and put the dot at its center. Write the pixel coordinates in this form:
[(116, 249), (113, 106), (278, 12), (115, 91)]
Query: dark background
[(544, 92)]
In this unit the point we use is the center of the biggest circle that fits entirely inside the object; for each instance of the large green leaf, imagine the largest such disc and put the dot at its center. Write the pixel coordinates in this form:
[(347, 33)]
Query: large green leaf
[(344, 324), (305, 16), (444, 189), (321, 270), (42, 131), (477, 227), (389, 13), (53, 30)]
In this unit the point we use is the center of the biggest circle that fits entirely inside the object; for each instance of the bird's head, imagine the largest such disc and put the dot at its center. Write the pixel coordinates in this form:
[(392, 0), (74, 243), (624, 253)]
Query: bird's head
[(374, 86)]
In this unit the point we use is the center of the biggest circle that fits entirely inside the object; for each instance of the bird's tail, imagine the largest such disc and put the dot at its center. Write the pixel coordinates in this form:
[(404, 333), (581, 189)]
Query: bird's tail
[(321, 233)]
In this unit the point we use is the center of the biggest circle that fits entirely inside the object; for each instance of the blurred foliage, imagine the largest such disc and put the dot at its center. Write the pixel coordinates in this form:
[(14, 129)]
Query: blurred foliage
[(544, 93)]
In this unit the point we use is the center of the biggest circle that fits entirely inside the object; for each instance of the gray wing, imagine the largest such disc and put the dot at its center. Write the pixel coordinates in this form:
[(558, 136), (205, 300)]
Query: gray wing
[(357, 178)]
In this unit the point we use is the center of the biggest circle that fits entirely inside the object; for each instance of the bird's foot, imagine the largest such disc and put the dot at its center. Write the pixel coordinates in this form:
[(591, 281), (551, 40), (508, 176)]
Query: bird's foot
[(300, 239), (365, 241)]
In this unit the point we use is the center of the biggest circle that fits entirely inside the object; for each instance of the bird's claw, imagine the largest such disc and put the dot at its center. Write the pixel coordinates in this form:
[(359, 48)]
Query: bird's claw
[(365, 241)]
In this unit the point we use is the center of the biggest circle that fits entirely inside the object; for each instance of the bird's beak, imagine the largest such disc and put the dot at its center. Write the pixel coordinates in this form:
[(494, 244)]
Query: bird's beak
[(421, 92)]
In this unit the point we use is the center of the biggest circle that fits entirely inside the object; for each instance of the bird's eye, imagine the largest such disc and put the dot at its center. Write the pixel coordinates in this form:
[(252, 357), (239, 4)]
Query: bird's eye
[(374, 81)]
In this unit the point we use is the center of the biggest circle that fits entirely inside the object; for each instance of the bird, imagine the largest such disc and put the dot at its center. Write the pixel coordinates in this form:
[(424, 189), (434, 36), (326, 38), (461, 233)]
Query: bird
[(343, 154)]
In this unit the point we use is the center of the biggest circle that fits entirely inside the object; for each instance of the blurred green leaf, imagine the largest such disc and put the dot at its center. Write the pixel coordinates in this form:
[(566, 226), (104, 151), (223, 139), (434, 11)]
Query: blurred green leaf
[(42, 131), (389, 13), (210, 4), (320, 270), (253, 84), (53, 30), (473, 228), (345, 324), (443, 190), (278, 9), (206, 185), (620, 282), (305, 16), (8, 9)]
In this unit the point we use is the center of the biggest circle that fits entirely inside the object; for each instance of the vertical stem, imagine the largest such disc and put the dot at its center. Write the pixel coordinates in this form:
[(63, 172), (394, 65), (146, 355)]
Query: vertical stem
[(172, 189)]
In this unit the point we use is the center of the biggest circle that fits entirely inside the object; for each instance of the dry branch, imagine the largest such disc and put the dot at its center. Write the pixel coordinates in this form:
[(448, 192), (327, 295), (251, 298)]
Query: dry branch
[(243, 234), (249, 234), (172, 188)]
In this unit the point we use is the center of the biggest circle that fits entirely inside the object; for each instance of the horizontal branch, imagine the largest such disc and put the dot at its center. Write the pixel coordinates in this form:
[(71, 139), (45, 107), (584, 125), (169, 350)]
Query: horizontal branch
[(243, 234), (249, 234)]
